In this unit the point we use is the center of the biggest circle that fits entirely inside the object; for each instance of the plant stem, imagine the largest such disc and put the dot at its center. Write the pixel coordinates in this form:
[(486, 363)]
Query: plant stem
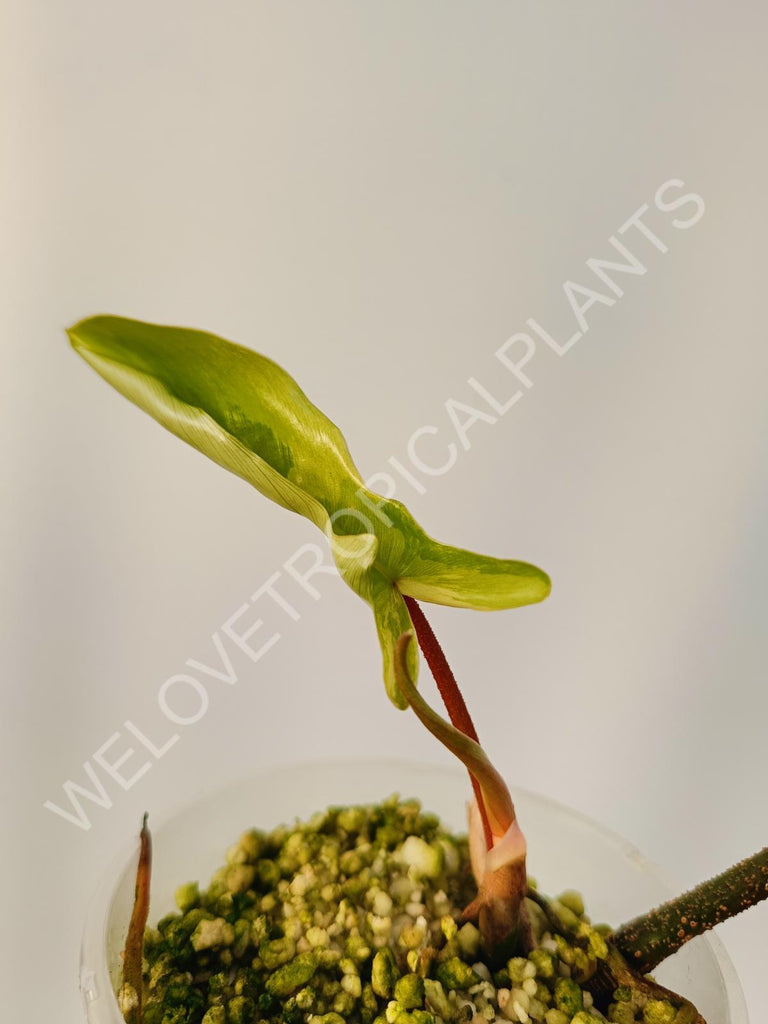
[(450, 693), (614, 971), (651, 938), (134, 943)]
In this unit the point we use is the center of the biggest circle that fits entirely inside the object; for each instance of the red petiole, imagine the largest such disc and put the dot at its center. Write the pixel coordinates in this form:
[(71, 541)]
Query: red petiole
[(449, 692)]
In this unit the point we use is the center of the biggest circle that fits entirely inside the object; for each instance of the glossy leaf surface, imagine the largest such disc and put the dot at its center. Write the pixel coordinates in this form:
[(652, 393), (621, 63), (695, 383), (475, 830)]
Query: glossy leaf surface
[(248, 415)]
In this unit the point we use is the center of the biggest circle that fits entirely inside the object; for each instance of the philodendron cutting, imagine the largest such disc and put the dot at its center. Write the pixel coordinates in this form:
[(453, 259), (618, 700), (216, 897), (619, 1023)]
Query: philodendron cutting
[(250, 416)]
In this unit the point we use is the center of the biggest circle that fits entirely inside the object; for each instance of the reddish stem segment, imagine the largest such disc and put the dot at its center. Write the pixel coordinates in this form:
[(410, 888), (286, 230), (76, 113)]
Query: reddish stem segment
[(134, 943), (449, 692)]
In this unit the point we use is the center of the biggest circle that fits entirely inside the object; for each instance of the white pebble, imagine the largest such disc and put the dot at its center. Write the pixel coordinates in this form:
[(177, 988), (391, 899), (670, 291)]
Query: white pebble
[(352, 985), (317, 937), (380, 925), (521, 1012), (521, 997), (127, 1000), (382, 904), (482, 971), (441, 903), (509, 1010), (393, 1011), (537, 1010), (299, 885)]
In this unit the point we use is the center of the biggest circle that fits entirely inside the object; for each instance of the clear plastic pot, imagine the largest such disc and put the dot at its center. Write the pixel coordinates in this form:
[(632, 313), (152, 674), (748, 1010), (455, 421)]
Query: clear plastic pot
[(566, 850)]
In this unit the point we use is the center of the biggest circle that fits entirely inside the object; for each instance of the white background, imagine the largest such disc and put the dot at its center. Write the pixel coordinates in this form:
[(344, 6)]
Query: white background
[(377, 195)]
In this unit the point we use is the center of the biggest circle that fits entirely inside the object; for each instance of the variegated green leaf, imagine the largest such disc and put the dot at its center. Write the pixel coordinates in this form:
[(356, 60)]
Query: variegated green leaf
[(248, 415), (236, 406)]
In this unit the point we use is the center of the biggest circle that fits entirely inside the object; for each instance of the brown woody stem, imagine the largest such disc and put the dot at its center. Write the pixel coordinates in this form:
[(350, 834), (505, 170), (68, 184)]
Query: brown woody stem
[(651, 938), (609, 974), (134, 943), (449, 692)]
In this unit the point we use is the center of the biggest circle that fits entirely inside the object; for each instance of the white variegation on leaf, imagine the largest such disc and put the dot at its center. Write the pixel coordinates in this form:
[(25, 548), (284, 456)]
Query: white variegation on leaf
[(248, 415)]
